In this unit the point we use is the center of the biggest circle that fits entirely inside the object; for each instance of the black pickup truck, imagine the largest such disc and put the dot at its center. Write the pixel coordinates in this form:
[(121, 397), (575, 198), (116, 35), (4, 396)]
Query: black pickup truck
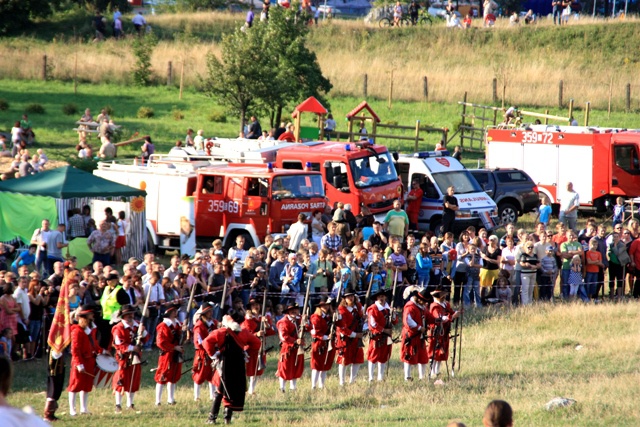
[(513, 190)]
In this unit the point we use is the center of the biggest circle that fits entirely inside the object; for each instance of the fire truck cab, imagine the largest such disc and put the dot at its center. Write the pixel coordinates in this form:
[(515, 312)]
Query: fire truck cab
[(253, 200), (359, 173), (602, 163)]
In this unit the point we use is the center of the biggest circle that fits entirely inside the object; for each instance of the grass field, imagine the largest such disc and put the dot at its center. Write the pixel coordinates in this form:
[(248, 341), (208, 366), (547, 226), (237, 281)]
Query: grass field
[(526, 356), (54, 128)]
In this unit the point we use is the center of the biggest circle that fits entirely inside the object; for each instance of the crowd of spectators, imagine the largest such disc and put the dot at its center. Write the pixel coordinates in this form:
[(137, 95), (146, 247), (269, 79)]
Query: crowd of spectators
[(25, 161)]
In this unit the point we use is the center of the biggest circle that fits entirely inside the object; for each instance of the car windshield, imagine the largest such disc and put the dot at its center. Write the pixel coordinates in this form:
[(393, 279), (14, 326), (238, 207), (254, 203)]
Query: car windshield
[(373, 171), (297, 186), (462, 181)]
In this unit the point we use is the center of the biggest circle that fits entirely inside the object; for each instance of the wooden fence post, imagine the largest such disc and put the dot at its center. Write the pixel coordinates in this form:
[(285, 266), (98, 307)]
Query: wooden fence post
[(495, 89), (44, 68), (587, 110), (169, 74), (628, 103), (570, 109), (560, 88), (425, 88), (390, 88), (546, 119), (364, 86), (464, 113), (415, 146)]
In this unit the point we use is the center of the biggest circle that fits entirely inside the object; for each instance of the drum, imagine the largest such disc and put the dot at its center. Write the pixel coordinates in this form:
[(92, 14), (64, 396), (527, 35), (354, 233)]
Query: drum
[(106, 366)]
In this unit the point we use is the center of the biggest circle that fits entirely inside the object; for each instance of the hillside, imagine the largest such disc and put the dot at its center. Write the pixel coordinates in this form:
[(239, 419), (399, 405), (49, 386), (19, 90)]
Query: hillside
[(591, 57)]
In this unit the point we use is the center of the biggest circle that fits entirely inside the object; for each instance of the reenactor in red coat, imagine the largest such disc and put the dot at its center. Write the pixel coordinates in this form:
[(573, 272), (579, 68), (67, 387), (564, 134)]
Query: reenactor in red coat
[(380, 322), (84, 349), (127, 344), (291, 362), (415, 319), (443, 315), (227, 347), (321, 357), (202, 371), (349, 334), (252, 323), (169, 342)]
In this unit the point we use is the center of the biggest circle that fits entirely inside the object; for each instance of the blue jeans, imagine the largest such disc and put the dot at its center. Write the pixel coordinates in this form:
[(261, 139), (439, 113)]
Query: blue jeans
[(473, 284), (517, 283), (34, 329), (564, 282), (150, 324), (591, 283), (423, 280), (42, 265)]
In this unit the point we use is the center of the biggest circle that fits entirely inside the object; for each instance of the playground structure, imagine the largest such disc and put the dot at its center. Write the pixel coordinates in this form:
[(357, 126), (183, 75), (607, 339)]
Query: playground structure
[(475, 119)]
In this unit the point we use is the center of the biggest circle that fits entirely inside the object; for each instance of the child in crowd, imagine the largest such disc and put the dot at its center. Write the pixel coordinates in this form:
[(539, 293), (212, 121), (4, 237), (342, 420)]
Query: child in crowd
[(618, 211), (503, 289), (474, 263), (545, 211), (42, 157), (593, 259), (549, 269), (575, 277)]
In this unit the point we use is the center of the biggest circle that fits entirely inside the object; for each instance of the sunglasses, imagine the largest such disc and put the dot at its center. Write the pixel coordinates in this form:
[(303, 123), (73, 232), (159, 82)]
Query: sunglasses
[(627, 233), (529, 247)]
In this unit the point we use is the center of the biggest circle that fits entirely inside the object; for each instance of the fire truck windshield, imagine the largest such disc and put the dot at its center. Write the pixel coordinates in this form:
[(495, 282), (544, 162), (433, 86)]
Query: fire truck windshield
[(462, 181), (297, 186), (373, 171)]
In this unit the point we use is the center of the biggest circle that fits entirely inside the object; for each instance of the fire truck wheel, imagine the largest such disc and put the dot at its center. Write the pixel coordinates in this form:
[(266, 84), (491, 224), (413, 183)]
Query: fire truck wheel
[(507, 213)]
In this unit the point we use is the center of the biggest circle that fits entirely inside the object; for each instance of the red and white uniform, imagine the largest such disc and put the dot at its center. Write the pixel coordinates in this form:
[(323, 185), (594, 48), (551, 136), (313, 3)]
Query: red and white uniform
[(379, 351), (346, 341), (202, 371), (127, 377), (288, 368), (415, 317), (320, 330), (252, 324), (167, 337), (440, 336), (84, 349)]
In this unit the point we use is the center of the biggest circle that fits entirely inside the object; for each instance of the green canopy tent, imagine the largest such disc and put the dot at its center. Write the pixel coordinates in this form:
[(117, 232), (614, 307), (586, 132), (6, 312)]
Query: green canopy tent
[(24, 202)]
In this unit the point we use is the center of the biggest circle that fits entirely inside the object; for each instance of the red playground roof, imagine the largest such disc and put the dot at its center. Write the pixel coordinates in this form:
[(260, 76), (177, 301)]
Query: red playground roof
[(310, 105), (363, 106)]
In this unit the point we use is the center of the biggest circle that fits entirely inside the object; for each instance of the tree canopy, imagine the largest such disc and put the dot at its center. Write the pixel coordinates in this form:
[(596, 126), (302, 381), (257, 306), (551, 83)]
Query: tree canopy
[(267, 67)]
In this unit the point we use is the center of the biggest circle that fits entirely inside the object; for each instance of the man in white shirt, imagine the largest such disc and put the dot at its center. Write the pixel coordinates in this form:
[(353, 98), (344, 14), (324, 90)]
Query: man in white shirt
[(155, 300), (41, 237), (569, 204), (237, 256), (139, 22), (297, 232), (22, 298)]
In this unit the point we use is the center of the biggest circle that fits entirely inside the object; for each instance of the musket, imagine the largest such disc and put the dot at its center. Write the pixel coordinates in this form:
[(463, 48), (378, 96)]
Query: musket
[(261, 365), (368, 295), (438, 330), (224, 297), (179, 357), (393, 301), (460, 338), (305, 309), (455, 343), (134, 359), (332, 331)]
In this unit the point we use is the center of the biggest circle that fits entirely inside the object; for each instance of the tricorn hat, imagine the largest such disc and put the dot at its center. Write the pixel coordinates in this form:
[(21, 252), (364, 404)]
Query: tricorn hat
[(86, 309), (324, 300), (439, 293), (291, 306), (127, 309), (424, 294)]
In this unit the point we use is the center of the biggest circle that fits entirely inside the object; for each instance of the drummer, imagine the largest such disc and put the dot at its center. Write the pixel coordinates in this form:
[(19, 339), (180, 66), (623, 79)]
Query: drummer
[(84, 349)]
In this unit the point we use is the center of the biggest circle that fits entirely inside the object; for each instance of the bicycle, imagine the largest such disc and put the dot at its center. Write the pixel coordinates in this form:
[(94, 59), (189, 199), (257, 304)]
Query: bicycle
[(388, 21), (424, 18)]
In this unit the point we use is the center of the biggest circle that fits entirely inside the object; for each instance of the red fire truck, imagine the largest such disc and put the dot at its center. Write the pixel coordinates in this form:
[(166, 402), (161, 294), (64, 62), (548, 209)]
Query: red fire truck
[(359, 173), (601, 163), (224, 200)]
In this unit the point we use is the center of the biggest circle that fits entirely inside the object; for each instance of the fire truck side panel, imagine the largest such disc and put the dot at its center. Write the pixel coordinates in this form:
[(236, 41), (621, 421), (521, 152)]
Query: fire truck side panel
[(625, 164), (575, 165), (545, 177)]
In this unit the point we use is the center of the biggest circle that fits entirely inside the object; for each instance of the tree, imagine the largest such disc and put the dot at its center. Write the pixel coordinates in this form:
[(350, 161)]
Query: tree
[(142, 49), (232, 80), (16, 14), (267, 67), (298, 74)]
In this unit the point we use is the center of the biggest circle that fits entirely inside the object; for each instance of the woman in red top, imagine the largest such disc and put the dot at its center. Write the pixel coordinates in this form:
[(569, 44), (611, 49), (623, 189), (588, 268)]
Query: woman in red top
[(168, 334), (442, 315), (415, 318), (380, 321), (252, 323), (202, 371), (321, 357), (349, 332), (414, 201), (84, 349)]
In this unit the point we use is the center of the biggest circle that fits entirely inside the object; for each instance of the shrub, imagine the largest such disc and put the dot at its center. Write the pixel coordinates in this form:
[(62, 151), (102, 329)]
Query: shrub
[(177, 113), (4, 104), (142, 51), (145, 113), (70, 109), (34, 109), (87, 165), (217, 117), (109, 110)]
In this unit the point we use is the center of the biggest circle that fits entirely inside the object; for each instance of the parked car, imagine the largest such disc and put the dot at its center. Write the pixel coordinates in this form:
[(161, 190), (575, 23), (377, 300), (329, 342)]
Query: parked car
[(513, 190)]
